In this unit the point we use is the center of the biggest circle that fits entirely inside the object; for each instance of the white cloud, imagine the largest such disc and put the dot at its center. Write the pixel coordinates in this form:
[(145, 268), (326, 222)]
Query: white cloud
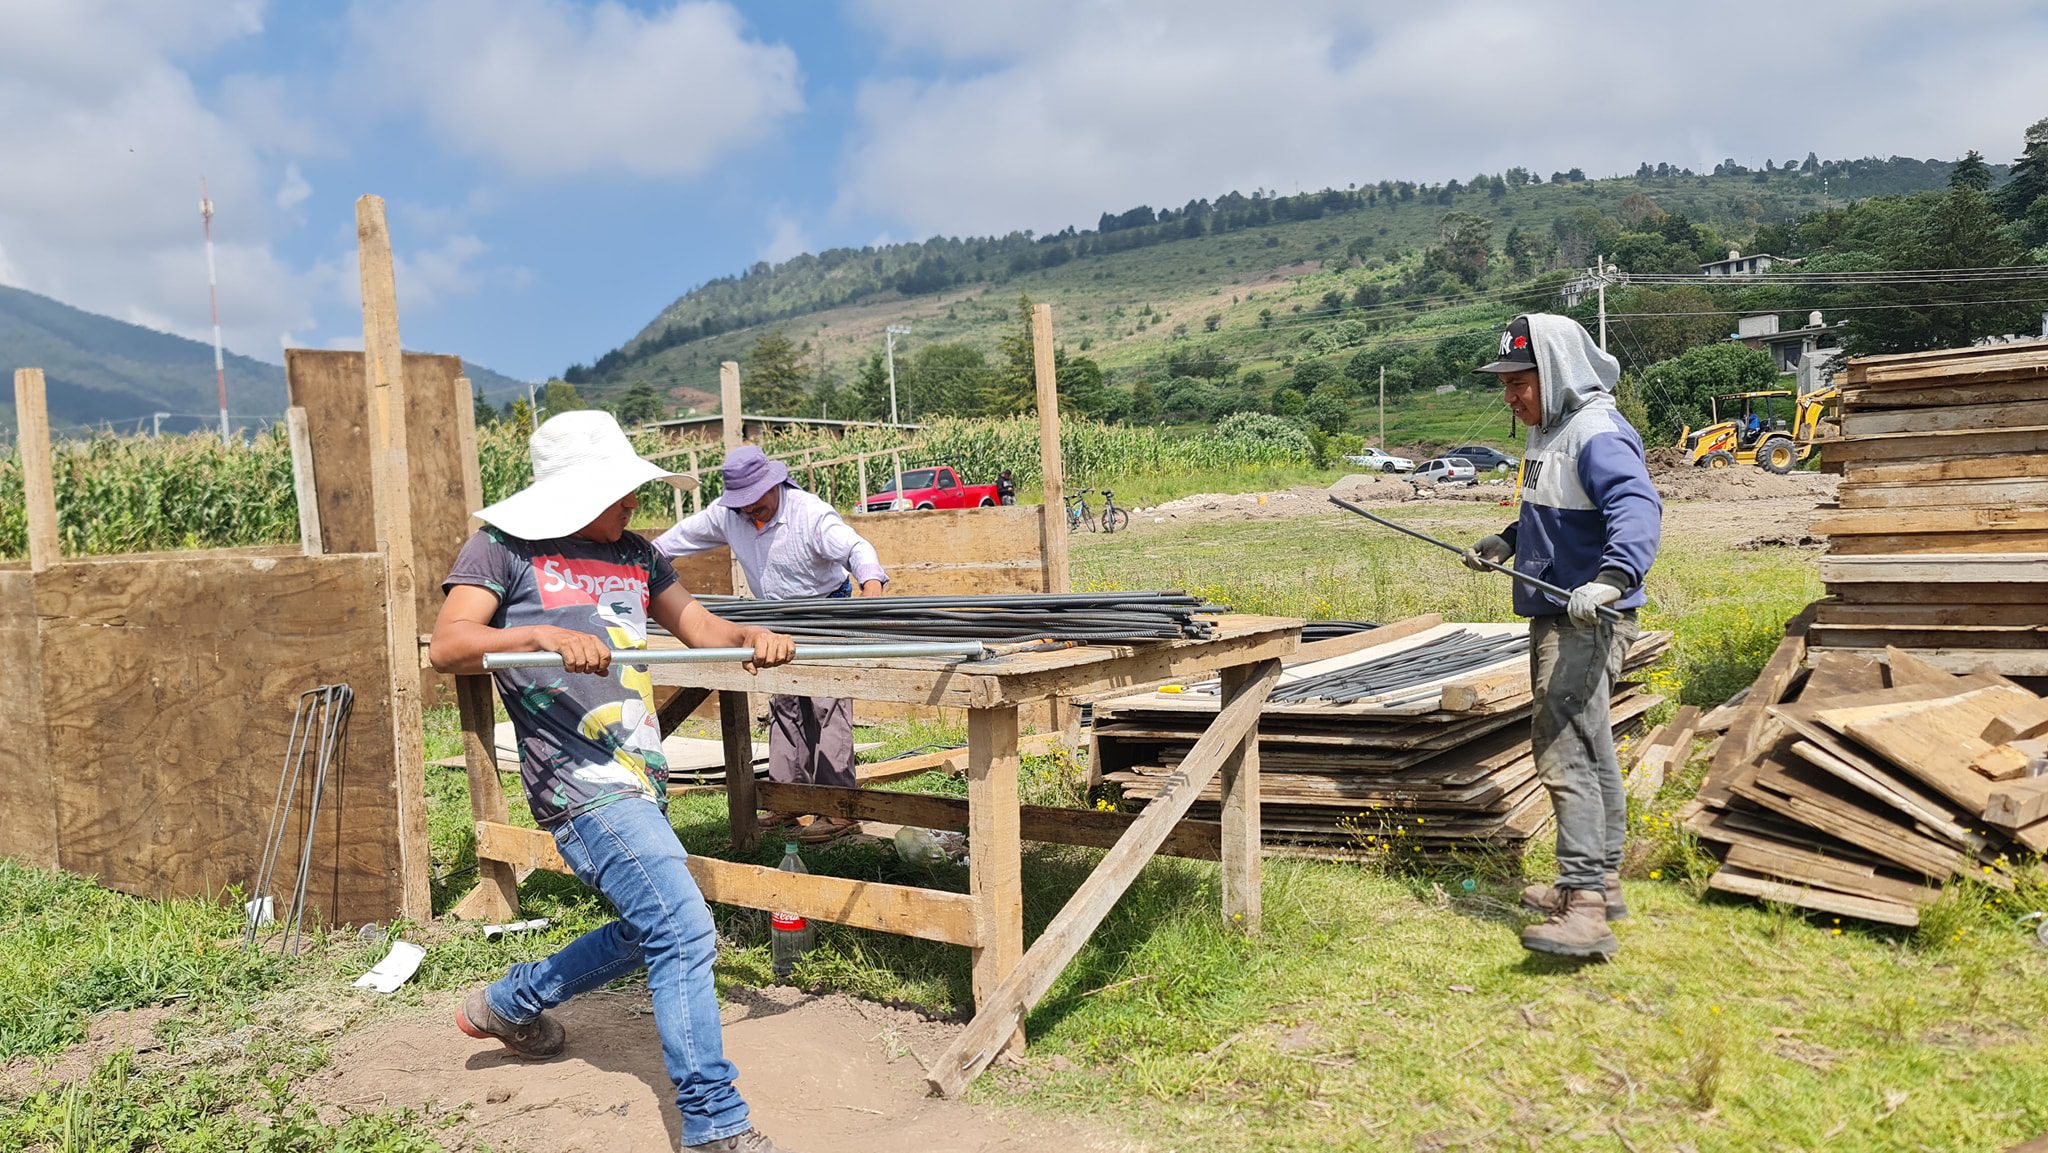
[(294, 190), (984, 120), (106, 139), (547, 88), (787, 238)]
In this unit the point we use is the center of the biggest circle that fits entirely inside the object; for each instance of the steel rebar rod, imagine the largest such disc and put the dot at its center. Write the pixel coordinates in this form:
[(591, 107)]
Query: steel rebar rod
[(1607, 612), (967, 650)]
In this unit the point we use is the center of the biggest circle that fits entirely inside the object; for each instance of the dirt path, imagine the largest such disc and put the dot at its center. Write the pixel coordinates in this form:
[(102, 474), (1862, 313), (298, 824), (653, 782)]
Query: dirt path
[(826, 1074)]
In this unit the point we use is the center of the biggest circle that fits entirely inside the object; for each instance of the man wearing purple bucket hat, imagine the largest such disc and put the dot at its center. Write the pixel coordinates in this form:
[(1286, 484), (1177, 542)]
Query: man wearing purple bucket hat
[(791, 545)]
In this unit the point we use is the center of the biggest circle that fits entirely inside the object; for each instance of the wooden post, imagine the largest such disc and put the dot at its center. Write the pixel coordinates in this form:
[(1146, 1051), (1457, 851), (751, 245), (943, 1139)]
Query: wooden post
[(496, 896), (736, 727), (995, 870), (38, 471), (729, 404), (861, 463), (1239, 779), (302, 479), (1053, 524), (897, 485), (697, 492), (391, 495), (465, 444)]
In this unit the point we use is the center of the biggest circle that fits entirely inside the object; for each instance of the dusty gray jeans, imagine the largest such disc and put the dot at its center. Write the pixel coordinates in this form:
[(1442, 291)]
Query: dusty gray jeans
[(810, 741), (1573, 668)]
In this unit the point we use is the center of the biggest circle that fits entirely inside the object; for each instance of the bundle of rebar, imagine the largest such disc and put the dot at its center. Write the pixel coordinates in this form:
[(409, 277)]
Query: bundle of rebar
[(319, 733), (1426, 664), (1315, 631), (1085, 618)]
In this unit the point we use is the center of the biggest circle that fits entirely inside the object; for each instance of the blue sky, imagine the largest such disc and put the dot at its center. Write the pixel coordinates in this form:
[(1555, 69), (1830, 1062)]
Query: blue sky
[(558, 171)]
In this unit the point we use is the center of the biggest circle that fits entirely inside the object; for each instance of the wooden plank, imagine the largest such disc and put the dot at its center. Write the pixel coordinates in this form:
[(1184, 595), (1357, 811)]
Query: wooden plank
[(28, 776), (38, 477), (2020, 387), (1961, 568), (1090, 828), (1894, 594), (2019, 803), (1051, 469), (1743, 737), (1897, 522), (1979, 541), (1934, 740), (496, 896), (998, 1016), (1661, 751), (469, 463), (1922, 446), (905, 911), (1821, 750), (1731, 880), (304, 491), (2029, 719), (169, 689), (1468, 694), (1799, 865), (952, 761), (2012, 466), (2024, 638), (1950, 418), (1238, 781), (736, 730), (1924, 616), (678, 707), (995, 871), (2021, 492), (391, 487), (2010, 662)]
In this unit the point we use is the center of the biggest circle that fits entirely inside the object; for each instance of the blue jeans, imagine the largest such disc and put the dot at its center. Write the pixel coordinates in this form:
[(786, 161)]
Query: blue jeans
[(627, 851), (1573, 668)]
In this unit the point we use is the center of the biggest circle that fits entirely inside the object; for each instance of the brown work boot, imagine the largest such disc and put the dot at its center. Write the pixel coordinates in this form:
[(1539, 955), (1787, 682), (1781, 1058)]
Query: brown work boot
[(537, 1039), (1543, 898), (1576, 927), (773, 819), (821, 830), (751, 1141)]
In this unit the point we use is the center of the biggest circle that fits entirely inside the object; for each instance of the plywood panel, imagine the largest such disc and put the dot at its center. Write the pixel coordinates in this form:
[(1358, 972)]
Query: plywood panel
[(169, 690), (704, 573), (973, 538), (28, 799), (329, 386)]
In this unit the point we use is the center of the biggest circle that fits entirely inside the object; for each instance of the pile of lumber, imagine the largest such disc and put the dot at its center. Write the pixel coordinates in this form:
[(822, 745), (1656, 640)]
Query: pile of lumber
[(1859, 786), (1434, 765), (1939, 541)]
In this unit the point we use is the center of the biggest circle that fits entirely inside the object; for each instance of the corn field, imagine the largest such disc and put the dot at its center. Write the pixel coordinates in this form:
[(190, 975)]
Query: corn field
[(136, 494)]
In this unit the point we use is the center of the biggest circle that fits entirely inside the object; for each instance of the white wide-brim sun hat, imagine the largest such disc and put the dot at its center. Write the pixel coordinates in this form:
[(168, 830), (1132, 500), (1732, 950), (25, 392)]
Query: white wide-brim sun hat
[(582, 465)]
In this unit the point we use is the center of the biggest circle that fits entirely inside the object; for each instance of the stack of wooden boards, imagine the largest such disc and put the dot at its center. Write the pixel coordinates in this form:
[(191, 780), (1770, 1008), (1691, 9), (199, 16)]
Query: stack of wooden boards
[(1939, 541), (1859, 787), (1439, 766)]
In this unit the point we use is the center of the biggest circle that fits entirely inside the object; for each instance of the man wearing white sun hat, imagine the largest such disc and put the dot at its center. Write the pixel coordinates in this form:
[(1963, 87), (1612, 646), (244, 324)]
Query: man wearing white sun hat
[(554, 570)]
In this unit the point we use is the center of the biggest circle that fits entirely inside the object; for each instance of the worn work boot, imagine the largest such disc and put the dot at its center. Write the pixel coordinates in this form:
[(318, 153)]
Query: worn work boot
[(751, 1141), (1576, 927), (1543, 898), (771, 819), (539, 1038)]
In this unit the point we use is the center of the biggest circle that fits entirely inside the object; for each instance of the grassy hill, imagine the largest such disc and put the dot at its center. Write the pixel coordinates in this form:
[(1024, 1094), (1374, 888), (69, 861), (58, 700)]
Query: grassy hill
[(1205, 274), (102, 371)]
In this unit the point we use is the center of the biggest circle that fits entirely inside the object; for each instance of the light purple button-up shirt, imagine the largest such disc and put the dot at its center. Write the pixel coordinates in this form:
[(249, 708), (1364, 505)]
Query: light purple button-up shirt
[(807, 550)]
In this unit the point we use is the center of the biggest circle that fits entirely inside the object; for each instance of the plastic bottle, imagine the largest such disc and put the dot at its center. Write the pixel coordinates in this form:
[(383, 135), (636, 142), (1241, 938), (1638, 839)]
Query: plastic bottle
[(790, 936)]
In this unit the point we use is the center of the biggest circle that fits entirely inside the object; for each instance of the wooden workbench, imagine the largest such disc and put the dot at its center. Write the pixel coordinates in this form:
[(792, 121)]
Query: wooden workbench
[(989, 918)]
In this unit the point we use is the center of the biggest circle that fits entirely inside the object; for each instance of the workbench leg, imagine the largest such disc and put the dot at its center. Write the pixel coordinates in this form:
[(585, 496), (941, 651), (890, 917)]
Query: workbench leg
[(496, 896), (736, 726), (1239, 778), (995, 874)]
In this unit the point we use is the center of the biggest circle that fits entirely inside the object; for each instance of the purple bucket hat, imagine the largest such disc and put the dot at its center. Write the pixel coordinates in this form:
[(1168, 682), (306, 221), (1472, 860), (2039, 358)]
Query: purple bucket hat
[(748, 473)]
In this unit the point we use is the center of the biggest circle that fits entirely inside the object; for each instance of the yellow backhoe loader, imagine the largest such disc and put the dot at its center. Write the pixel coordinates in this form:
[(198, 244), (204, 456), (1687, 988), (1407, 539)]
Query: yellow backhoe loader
[(1774, 429)]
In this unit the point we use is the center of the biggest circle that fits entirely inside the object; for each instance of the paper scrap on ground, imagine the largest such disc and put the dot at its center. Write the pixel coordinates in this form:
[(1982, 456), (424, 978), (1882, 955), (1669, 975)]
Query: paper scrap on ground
[(395, 969)]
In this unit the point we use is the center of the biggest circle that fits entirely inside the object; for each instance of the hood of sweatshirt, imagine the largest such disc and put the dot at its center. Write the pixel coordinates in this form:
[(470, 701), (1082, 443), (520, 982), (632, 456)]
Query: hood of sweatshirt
[(1577, 373)]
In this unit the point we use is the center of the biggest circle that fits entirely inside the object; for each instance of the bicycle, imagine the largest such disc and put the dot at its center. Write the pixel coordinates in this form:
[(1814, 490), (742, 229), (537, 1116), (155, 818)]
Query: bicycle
[(1114, 519), (1078, 514)]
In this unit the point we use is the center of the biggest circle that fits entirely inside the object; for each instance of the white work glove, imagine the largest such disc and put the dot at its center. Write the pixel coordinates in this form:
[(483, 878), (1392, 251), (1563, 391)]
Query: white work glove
[(1492, 547), (1588, 599)]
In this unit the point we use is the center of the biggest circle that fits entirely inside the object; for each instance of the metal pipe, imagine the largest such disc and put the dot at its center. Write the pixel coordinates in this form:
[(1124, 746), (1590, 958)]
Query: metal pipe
[(1606, 611), (965, 650)]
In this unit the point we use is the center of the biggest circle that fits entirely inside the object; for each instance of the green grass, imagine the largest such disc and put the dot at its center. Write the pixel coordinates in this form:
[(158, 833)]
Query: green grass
[(1382, 1007)]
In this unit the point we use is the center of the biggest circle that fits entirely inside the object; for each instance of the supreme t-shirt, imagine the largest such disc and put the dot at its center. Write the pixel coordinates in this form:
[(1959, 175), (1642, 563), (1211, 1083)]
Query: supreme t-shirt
[(584, 741)]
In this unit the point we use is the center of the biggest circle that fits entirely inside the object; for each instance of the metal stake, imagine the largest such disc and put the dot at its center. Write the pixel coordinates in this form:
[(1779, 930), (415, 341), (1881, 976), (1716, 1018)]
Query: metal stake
[(1607, 612), (966, 650)]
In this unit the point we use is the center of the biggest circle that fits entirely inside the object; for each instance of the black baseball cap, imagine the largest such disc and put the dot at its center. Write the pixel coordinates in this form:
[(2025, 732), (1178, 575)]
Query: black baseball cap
[(1517, 353)]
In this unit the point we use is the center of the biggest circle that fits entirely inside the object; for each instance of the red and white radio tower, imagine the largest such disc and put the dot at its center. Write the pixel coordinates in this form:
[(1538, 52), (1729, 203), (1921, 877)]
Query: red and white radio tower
[(220, 375)]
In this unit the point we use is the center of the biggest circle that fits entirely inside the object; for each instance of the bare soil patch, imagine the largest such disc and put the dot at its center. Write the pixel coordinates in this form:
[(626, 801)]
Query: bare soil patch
[(105, 1035), (829, 1074)]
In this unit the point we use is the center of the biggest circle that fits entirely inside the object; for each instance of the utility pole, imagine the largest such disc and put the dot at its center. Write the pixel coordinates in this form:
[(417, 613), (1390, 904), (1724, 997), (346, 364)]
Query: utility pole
[(892, 332), (1383, 408), (220, 375), (1601, 272)]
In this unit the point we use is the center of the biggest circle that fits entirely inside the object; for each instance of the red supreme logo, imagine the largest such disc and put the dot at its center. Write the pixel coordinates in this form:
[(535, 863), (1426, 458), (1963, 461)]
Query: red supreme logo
[(564, 582)]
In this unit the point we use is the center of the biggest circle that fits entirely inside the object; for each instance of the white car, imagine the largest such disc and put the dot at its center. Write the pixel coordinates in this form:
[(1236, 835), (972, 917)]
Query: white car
[(1379, 461), (1446, 470)]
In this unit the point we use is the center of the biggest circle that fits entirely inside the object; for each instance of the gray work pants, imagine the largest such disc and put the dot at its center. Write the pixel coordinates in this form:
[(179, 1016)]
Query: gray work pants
[(810, 741), (1573, 669)]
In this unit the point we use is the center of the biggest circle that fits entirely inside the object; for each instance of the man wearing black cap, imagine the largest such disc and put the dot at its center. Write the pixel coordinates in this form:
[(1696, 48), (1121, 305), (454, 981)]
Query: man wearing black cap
[(1590, 522)]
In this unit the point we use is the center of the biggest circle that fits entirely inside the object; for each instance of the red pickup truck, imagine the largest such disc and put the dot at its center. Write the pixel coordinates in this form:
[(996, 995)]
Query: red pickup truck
[(936, 487)]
